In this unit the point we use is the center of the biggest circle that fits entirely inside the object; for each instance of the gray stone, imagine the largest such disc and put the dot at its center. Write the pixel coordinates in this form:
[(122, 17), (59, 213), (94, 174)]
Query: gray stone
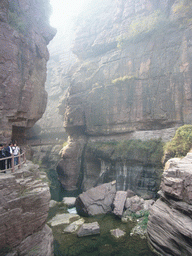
[(97, 200), (89, 229), (52, 203), (64, 218), (170, 224), (69, 201), (40, 243), (119, 202), (117, 233), (134, 203), (73, 227), (130, 193)]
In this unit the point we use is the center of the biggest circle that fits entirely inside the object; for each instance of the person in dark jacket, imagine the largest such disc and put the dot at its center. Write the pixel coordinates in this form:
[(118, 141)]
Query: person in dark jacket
[(8, 153), (2, 155)]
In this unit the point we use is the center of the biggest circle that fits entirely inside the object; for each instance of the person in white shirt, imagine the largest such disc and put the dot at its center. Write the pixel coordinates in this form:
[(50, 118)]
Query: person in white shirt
[(15, 150)]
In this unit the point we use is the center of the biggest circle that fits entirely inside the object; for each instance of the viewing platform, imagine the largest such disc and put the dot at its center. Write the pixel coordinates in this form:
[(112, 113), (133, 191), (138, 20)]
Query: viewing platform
[(9, 165)]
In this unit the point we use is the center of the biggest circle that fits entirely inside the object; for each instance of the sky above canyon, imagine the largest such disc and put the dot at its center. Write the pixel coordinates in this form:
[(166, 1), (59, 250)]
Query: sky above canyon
[(64, 12)]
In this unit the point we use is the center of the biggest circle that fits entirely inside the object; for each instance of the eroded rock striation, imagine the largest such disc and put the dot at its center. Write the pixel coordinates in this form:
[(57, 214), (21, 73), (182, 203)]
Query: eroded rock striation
[(170, 223), (25, 33), (24, 205), (132, 81)]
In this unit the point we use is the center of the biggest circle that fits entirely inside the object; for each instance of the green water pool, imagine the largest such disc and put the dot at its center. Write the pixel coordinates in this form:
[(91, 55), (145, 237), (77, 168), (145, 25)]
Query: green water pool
[(99, 245), (103, 244)]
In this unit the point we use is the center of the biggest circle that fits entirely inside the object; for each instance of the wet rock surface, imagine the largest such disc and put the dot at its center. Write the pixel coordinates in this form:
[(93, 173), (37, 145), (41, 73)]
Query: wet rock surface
[(64, 218), (169, 226)]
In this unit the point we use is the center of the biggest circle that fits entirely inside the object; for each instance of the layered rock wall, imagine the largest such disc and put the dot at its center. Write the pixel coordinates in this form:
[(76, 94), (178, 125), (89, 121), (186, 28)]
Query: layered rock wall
[(170, 222), (25, 33), (24, 205), (133, 74)]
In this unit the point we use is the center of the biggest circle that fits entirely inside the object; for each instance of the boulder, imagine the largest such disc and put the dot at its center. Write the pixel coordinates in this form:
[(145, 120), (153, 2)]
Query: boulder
[(134, 203), (130, 193), (119, 202), (52, 203), (69, 201), (96, 200), (89, 229), (64, 218), (117, 232), (74, 226)]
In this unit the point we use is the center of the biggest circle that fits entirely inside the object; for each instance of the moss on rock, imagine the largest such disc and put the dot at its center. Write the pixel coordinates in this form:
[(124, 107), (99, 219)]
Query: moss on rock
[(181, 143), (149, 152)]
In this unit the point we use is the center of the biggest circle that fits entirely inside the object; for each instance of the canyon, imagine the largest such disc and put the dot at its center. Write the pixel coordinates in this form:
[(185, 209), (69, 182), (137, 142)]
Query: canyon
[(24, 195), (122, 91), (132, 81)]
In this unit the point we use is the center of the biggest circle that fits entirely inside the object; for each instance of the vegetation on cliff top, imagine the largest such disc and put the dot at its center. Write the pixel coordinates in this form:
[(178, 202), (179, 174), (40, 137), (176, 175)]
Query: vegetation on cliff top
[(181, 143), (156, 22), (147, 152), (142, 26)]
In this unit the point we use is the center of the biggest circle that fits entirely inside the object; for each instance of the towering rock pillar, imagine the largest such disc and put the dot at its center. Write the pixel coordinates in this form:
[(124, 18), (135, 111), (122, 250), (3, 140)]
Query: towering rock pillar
[(25, 33)]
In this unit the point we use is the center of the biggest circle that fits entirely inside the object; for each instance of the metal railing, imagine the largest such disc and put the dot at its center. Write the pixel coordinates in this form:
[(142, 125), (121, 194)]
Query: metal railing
[(8, 162)]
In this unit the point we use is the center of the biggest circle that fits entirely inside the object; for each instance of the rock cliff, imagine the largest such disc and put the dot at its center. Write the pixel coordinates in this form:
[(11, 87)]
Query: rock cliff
[(170, 222), (24, 205), (25, 33), (132, 81)]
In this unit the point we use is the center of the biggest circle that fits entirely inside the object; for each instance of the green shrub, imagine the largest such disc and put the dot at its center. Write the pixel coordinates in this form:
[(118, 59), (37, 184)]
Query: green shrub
[(17, 22), (181, 143), (5, 250), (153, 24), (143, 215), (150, 151), (123, 80)]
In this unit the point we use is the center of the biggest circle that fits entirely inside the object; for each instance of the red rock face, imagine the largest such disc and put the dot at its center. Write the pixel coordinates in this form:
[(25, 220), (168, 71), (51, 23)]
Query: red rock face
[(25, 34), (134, 69)]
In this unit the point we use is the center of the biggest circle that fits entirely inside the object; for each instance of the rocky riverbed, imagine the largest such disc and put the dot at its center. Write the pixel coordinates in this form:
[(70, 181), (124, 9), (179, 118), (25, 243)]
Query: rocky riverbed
[(106, 232), (103, 244)]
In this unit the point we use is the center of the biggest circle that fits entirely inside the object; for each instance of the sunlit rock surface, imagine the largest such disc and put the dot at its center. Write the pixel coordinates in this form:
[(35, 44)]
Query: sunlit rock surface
[(24, 205), (133, 76), (170, 223), (96, 200), (25, 33)]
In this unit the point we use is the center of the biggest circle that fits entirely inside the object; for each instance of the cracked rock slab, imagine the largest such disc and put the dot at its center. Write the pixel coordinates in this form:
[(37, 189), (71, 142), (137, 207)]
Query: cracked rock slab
[(89, 229), (96, 200)]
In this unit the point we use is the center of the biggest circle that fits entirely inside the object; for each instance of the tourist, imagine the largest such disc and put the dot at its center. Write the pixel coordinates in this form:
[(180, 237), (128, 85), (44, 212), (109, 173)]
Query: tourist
[(8, 153), (15, 151), (2, 155)]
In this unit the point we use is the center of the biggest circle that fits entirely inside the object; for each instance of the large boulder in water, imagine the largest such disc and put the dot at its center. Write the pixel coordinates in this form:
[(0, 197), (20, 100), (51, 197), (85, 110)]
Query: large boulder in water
[(96, 200), (119, 202)]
